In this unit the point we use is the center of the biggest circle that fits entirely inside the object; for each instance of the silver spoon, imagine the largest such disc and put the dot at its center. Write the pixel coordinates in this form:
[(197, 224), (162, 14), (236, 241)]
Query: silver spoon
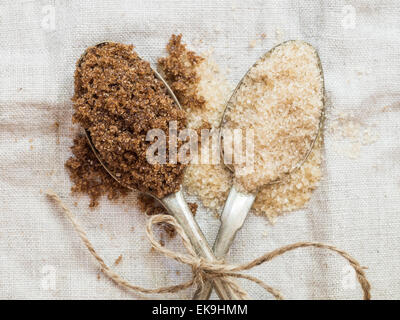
[(238, 204), (177, 207)]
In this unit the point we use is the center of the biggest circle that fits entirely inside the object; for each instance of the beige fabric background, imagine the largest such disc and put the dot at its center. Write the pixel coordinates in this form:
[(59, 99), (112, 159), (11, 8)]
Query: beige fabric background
[(355, 208)]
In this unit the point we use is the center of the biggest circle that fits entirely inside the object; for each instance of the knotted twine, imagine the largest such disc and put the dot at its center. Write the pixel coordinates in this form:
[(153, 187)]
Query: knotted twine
[(203, 269)]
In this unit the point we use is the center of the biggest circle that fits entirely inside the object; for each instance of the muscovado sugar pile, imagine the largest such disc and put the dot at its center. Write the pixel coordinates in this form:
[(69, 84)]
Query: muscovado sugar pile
[(89, 176), (118, 99)]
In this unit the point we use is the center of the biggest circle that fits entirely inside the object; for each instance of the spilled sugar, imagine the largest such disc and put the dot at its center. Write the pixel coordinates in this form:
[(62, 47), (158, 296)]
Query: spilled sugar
[(350, 135)]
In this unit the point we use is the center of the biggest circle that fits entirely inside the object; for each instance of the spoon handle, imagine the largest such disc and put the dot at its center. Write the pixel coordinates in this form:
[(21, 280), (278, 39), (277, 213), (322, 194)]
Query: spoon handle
[(233, 216), (177, 206)]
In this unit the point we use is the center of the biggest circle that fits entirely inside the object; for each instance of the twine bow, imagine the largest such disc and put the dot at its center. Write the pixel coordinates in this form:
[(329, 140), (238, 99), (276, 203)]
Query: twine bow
[(204, 269)]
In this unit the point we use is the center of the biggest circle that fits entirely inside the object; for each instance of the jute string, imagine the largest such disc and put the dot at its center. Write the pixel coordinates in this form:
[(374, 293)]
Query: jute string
[(203, 269)]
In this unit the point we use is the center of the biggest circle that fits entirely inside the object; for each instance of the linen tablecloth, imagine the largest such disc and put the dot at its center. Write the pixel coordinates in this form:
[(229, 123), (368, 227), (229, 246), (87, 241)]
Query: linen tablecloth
[(356, 207)]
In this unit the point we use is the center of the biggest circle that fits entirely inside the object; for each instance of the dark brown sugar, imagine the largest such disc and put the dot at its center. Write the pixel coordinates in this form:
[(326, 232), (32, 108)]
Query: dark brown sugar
[(179, 70), (86, 172), (89, 176), (118, 100)]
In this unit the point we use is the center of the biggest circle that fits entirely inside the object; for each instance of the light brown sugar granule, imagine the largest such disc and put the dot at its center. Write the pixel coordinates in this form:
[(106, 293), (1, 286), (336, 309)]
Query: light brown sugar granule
[(295, 191), (211, 183), (252, 43), (280, 99)]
